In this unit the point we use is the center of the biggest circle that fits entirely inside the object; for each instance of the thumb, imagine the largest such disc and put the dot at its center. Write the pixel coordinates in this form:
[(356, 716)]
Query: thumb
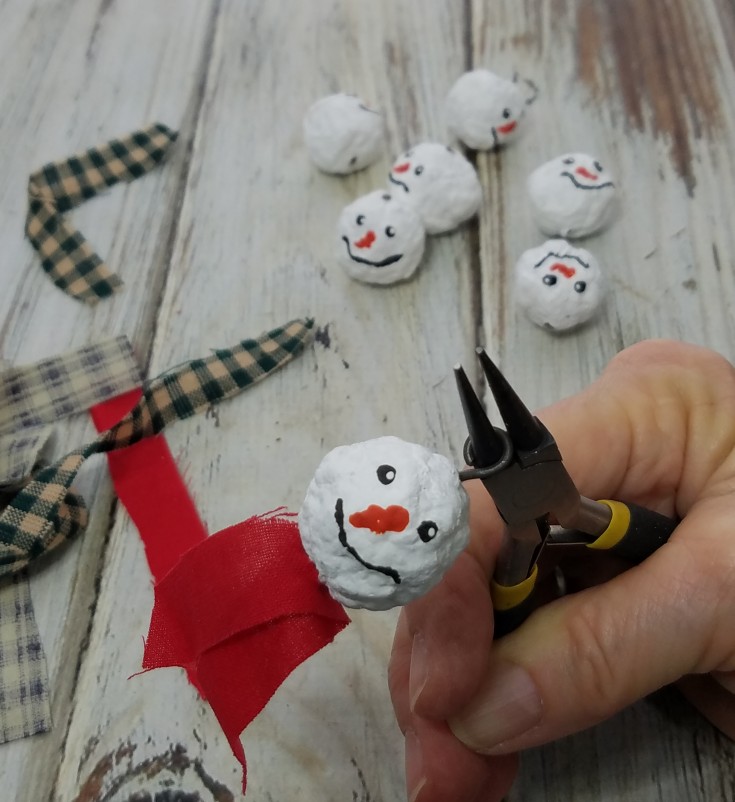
[(580, 659)]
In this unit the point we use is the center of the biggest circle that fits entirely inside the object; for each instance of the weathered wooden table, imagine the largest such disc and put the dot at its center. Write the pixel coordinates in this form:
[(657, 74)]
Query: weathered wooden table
[(235, 234)]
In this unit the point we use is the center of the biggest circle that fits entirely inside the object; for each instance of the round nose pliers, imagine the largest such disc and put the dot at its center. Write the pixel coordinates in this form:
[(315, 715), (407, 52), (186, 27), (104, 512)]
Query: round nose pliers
[(522, 469)]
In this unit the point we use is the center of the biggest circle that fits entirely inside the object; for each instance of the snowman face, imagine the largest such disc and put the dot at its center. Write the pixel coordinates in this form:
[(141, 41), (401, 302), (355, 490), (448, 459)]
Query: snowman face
[(558, 286), (440, 183), (342, 134), (584, 172), (379, 239), (382, 521), (484, 110), (571, 195)]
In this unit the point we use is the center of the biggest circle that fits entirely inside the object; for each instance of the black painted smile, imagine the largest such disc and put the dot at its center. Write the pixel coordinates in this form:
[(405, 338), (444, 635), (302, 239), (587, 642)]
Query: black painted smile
[(586, 186), (399, 183), (389, 260), (339, 517)]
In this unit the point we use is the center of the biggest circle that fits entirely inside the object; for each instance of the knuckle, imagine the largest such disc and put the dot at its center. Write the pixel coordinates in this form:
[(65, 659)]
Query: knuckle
[(598, 669)]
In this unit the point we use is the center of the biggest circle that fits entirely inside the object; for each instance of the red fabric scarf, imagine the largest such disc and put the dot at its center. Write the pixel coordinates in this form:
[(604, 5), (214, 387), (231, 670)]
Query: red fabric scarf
[(238, 610)]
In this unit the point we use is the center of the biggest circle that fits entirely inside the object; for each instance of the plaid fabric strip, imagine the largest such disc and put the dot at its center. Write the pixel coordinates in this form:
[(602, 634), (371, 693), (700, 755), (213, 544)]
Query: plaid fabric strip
[(21, 452), (43, 514), (58, 187), (67, 257), (31, 397), (67, 384), (25, 707)]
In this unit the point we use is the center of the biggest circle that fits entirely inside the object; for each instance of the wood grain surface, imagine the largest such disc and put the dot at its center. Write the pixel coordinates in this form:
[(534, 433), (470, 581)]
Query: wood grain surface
[(235, 234)]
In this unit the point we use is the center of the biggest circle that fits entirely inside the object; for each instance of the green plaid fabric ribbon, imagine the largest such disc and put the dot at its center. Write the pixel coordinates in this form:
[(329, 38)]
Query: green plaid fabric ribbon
[(65, 254), (31, 397), (44, 513)]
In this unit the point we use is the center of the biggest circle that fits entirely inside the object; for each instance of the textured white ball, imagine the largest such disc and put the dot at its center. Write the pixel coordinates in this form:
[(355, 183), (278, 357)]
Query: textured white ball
[(483, 110), (380, 240), (440, 183), (571, 196), (342, 134), (382, 521), (558, 286)]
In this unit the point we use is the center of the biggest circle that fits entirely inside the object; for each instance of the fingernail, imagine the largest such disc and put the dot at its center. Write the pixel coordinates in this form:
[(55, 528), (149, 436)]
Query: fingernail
[(510, 706), (419, 670), (415, 779)]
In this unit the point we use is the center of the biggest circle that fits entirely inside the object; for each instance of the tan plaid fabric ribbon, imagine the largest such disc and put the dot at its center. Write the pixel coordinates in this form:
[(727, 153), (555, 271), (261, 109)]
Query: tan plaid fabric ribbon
[(44, 513), (31, 397), (25, 705), (58, 187)]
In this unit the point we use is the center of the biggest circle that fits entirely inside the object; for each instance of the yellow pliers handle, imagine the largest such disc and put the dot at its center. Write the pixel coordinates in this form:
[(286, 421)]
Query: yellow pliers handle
[(633, 533)]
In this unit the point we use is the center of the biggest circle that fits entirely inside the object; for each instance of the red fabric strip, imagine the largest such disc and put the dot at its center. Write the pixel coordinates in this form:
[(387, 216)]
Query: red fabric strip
[(242, 610), (150, 487)]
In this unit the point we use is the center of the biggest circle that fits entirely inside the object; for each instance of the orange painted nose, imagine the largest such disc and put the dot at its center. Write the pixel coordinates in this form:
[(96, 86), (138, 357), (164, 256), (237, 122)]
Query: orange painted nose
[(508, 127), (366, 241), (585, 173), (565, 270), (401, 168), (381, 519)]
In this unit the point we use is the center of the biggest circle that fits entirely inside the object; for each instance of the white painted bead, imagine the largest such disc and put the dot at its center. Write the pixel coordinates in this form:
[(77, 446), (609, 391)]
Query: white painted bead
[(559, 286), (440, 183), (343, 135), (571, 196), (380, 240), (382, 521), (484, 110)]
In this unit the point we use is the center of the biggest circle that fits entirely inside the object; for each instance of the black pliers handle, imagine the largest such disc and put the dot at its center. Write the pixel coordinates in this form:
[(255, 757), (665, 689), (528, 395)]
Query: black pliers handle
[(522, 469)]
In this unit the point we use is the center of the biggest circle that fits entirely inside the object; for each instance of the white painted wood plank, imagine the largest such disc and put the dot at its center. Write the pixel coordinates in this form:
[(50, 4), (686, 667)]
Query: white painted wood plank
[(75, 75), (255, 248), (630, 85)]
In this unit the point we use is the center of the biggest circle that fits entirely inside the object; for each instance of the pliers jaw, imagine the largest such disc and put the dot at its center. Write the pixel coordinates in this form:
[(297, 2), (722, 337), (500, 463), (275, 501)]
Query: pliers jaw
[(520, 467)]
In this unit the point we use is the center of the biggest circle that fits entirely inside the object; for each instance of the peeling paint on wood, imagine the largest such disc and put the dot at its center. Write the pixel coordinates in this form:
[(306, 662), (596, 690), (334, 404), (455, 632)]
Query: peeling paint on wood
[(117, 777), (659, 58)]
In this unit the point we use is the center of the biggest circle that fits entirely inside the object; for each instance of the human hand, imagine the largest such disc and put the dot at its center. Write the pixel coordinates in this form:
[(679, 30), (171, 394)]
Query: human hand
[(657, 429)]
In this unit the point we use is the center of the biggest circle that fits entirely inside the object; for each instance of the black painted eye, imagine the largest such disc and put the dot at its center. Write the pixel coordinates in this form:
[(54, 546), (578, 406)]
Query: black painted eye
[(506, 114), (387, 197), (386, 474), (353, 160), (360, 219), (568, 160), (419, 169), (390, 231), (451, 150), (549, 280), (427, 530), (580, 286), (598, 167)]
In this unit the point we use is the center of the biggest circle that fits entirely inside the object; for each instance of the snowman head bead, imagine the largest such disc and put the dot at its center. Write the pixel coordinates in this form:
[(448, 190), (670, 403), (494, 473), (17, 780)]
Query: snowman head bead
[(559, 287), (343, 135), (439, 183), (382, 521), (571, 196), (484, 110), (380, 240)]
